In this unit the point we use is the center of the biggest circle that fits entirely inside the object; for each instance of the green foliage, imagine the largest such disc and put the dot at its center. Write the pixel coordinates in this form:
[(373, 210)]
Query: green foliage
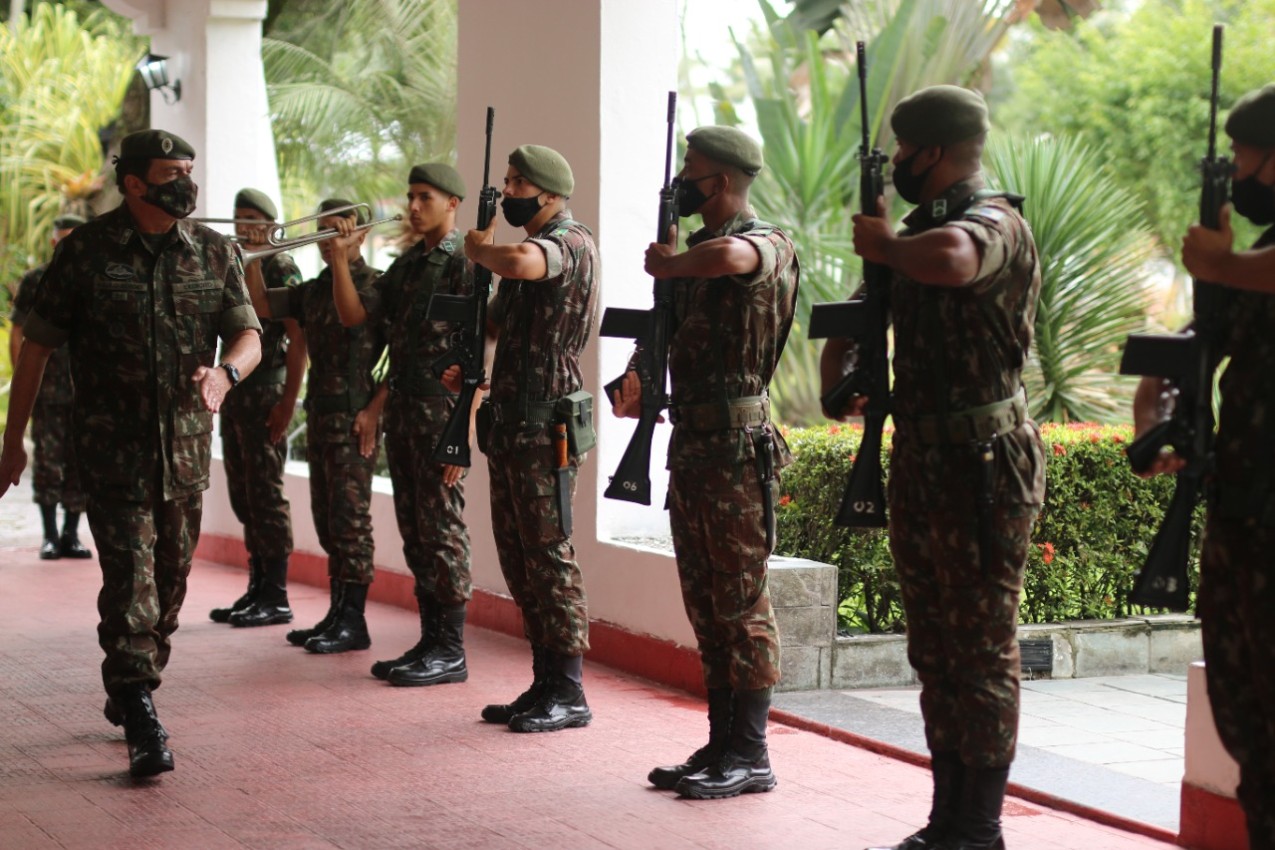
[(1092, 535)]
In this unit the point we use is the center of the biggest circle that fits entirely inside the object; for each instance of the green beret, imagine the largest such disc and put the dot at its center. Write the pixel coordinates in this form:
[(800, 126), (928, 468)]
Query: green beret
[(255, 199), (67, 222), (155, 144), (544, 167), (728, 146), (440, 175), (940, 115), (1252, 118), (337, 203)]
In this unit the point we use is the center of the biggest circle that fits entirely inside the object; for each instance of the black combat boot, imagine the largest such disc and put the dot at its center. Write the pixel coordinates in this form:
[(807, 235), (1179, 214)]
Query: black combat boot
[(445, 662), (69, 544), (115, 716), (349, 627), (222, 615), (720, 707), (561, 703), (429, 634), (949, 776), (504, 712), (298, 637), (744, 768), (50, 549), (148, 752), (978, 825), (270, 606)]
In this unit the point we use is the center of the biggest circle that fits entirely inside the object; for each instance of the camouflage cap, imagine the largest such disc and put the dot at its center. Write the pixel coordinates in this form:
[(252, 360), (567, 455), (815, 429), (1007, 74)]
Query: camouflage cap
[(544, 167), (68, 221), (336, 204), (727, 145), (155, 144), (255, 199), (1252, 118), (440, 175), (940, 115)]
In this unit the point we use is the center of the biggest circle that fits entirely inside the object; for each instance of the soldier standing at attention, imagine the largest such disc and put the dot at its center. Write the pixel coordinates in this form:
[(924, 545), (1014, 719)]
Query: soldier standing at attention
[(1237, 575), (542, 317), (141, 298), (429, 498), (342, 425), (254, 429), (967, 471), (54, 478), (735, 298)]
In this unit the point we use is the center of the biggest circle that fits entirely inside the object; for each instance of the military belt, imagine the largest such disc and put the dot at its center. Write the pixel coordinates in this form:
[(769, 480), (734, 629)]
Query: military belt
[(263, 377), (537, 413), (341, 403), (737, 413), (418, 385), (975, 425)]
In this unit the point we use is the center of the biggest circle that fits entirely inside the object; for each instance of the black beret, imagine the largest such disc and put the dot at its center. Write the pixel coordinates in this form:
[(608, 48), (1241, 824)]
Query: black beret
[(68, 221), (544, 167), (155, 144), (727, 145), (440, 175), (255, 199), (1252, 118), (336, 204), (940, 115)]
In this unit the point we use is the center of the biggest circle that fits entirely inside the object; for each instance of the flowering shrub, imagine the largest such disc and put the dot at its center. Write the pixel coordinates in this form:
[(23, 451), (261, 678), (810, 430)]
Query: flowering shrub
[(1090, 540)]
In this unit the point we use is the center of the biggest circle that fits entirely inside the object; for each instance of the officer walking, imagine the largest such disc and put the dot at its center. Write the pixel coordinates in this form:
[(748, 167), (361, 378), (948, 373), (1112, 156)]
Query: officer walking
[(1237, 574), (254, 429), (735, 297), (140, 297), (967, 472), (54, 478)]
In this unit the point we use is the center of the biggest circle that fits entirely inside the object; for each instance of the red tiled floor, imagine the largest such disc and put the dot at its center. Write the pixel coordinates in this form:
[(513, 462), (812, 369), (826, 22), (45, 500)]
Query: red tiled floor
[(276, 748)]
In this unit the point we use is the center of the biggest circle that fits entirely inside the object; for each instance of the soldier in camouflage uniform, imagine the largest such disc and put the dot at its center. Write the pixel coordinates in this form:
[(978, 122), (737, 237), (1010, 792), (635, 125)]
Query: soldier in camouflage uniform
[(967, 472), (1237, 572), (342, 427), (141, 297), (55, 478), (254, 430), (429, 498), (735, 297), (542, 317)]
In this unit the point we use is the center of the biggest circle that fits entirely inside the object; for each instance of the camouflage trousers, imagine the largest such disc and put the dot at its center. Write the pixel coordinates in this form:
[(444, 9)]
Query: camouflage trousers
[(144, 550), (536, 558), (719, 535), (962, 614), (430, 514), (341, 504), (1236, 599), (254, 471), (55, 478)]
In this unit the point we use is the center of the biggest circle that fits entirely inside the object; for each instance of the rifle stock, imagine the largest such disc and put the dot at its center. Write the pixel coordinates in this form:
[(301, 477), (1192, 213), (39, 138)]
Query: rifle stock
[(469, 312)]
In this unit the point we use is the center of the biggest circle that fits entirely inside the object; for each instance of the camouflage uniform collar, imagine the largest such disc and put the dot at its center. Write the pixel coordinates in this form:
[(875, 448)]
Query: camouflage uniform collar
[(935, 212), (452, 243), (735, 224), (554, 223), (121, 227)]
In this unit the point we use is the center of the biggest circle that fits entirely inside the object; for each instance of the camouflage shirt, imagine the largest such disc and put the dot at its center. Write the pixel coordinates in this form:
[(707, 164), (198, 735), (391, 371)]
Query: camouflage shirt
[(139, 322), (729, 333), (340, 381), (278, 271), (545, 324), (56, 387)]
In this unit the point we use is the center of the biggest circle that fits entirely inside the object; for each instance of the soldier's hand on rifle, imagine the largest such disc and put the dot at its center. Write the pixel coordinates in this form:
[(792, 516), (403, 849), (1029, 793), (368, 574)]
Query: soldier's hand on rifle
[(367, 425), (452, 474), (475, 239), (658, 258), (1205, 251), (626, 402), (873, 234), (1149, 410)]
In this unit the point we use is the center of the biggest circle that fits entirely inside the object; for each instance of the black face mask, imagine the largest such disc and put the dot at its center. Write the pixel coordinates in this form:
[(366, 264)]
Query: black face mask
[(519, 211), (907, 184), (1253, 199), (176, 197), (690, 197)]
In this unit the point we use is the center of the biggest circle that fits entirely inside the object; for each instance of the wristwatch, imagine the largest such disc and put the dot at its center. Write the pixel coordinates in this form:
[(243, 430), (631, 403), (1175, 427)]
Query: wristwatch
[(232, 373)]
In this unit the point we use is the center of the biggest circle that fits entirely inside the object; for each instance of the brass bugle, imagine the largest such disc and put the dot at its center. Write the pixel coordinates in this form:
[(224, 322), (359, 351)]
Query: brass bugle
[(309, 239), (250, 222), (276, 236)]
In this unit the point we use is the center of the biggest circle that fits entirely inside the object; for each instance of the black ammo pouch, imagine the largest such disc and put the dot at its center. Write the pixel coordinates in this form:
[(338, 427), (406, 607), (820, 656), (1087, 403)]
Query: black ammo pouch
[(483, 421), (576, 412)]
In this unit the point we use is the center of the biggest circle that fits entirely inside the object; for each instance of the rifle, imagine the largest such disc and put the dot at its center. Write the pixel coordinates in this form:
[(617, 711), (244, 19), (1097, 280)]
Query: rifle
[(1188, 360), (469, 313), (650, 329), (864, 319)]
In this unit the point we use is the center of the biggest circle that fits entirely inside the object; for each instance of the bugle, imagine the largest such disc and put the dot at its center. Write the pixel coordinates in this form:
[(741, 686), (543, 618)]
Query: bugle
[(309, 239)]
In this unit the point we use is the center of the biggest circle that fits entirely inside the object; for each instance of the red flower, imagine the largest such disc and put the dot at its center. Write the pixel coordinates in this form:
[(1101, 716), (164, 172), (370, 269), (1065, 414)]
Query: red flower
[(785, 500), (834, 429), (1059, 450), (1117, 438), (1093, 438), (1046, 552)]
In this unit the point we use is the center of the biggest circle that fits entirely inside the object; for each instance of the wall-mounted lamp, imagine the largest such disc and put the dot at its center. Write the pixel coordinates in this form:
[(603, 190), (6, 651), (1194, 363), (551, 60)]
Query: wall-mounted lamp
[(154, 71)]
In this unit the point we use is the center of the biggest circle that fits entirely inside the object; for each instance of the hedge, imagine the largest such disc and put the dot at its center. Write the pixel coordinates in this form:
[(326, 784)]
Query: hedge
[(1090, 540)]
